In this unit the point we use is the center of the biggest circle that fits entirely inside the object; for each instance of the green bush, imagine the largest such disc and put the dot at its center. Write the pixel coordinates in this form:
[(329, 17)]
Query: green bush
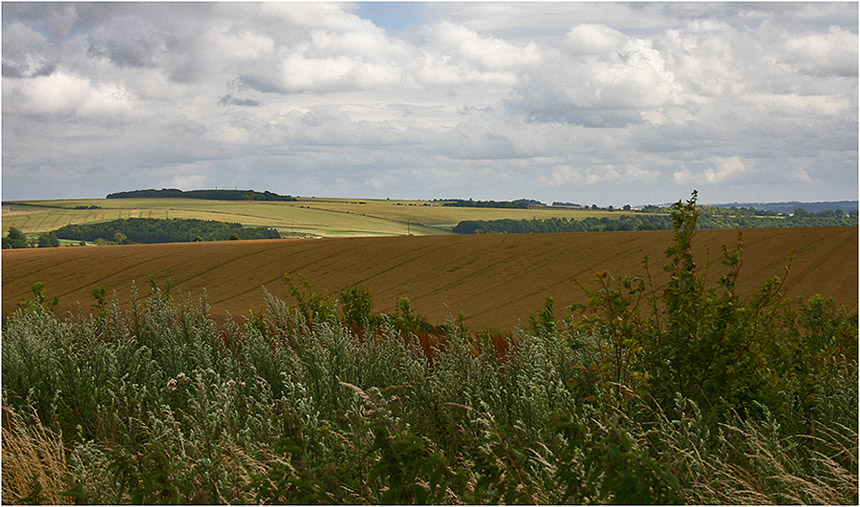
[(15, 239)]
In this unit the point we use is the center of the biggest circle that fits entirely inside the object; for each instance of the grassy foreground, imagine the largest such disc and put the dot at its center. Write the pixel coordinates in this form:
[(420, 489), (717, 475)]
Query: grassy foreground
[(686, 395)]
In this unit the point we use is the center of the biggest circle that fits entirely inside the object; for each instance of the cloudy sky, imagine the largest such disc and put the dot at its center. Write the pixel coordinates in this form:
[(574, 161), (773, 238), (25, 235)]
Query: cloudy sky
[(605, 103)]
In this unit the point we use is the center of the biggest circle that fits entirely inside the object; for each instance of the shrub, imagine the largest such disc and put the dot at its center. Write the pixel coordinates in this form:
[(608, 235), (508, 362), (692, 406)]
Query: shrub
[(15, 239)]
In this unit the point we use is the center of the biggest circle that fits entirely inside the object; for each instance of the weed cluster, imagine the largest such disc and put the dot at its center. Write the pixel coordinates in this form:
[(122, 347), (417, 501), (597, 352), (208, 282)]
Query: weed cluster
[(701, 398)]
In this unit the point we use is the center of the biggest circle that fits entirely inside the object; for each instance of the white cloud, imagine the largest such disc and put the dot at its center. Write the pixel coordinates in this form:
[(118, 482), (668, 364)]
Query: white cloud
[(830, 53), (704, 57), (233, 43), (626, 101), (611, 89), (339, 73), (487, 53), (317, 15), (713, 171), (365, 44), (594, 38), (599, 174), (66, 95), (190, 181), (799, 175), (802, 106)]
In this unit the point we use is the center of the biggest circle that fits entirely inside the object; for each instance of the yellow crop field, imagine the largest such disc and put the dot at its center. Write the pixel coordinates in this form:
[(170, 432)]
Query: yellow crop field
[(307, 216), (496, 280)]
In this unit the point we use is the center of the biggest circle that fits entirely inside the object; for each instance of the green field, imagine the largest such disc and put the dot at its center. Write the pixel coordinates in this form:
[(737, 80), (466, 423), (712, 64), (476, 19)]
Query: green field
[(305, 217)]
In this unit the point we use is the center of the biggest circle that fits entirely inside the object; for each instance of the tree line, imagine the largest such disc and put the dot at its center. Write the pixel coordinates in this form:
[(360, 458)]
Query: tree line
[(154, 230), (17, 239), (518, 204), (710, 218), (218, 195)]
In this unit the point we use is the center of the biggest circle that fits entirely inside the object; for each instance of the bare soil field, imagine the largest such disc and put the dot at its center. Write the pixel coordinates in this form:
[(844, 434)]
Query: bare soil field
[(497, 281)]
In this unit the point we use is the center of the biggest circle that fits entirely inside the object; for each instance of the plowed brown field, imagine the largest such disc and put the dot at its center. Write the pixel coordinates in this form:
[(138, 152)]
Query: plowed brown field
[(496, 280)]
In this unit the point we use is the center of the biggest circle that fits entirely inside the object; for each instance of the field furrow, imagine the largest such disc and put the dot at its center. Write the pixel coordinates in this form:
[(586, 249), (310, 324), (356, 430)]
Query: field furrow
[(496, 280)]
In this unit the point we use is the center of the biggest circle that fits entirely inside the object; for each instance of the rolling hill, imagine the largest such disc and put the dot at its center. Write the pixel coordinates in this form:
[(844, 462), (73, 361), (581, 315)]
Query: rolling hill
[(496, 280), (303, 217)]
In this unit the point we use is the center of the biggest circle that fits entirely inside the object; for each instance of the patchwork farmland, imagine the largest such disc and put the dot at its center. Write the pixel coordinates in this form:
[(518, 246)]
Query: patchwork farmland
[(304, 217), (497, 281)]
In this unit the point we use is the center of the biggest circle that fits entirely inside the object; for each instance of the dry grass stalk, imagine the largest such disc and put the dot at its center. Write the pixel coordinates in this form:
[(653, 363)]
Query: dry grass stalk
[(34, 462), (835, 485)]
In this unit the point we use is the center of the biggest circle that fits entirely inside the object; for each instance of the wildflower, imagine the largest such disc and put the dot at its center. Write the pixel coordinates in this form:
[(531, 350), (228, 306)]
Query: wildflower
[(171, 385), (182, 377)]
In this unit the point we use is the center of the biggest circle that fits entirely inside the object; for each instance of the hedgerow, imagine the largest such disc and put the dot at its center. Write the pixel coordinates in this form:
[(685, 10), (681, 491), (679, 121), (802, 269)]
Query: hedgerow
[(685, 395)]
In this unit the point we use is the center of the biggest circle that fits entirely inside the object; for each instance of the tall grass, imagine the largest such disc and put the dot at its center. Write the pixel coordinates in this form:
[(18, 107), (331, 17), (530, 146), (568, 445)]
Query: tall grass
[(34, 462), (301, 404)]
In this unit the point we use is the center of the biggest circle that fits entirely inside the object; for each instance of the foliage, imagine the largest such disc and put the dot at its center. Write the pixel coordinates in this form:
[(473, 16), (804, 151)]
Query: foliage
[(656, 218), (518, 204), (357, 307), (152, 230), (220, 195), (706, 343), (322, 401), (791, 207), (47, 241), (15, 239)]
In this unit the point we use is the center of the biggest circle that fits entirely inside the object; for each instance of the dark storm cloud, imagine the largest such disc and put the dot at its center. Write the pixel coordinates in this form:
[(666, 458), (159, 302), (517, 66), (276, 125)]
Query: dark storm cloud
[(229, 100), (260, 83), (132, 44), (26, 52), (572, 115), (18, 70)]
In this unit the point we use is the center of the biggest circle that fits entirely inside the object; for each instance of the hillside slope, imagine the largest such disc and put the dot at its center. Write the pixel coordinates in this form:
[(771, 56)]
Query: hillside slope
[(307, 216), (496, 280)]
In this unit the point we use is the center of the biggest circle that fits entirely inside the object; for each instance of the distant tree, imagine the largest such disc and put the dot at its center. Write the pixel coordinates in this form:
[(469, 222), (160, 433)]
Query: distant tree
[(153, 230), (48, 240), (197, 239), (226, 195), (800, 212), (120, 239), (234, 237), (626, 207), (15, 239), (16, 234)]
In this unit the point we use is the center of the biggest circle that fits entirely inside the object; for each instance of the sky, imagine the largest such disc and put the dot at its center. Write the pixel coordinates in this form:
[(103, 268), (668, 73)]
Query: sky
[(592, 103)]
